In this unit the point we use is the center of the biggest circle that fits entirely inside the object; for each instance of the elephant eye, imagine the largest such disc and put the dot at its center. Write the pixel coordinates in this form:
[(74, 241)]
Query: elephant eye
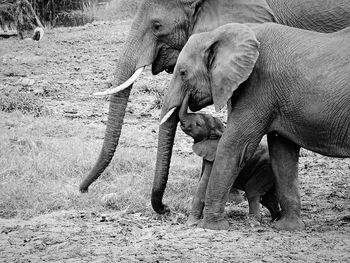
[(183, 72), (157, 25)]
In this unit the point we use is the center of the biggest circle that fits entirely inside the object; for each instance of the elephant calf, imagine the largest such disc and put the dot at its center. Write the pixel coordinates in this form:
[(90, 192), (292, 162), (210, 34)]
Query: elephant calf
[(256, 178)]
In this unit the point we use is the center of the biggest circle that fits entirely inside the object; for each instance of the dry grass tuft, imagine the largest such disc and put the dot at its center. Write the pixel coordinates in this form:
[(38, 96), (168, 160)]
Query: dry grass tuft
[(44, 160), (25, 102)]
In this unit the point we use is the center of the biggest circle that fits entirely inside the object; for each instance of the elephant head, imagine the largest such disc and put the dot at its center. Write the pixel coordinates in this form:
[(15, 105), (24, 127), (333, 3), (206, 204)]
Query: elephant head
[(212, 66), (198, 125), (209, 69), (159, 31)]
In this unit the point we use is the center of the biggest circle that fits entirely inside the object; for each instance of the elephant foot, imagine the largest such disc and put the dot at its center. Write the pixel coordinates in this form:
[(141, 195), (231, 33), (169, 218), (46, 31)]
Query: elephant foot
[(165, 210), (83, 190), (220, 224), (254, 220), (289, 224), (193, 220), (235, 196)]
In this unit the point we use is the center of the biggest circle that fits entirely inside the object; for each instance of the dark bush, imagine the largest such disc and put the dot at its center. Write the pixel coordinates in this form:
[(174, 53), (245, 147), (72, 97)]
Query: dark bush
[(73, 18), (49, 10), (24, 102)]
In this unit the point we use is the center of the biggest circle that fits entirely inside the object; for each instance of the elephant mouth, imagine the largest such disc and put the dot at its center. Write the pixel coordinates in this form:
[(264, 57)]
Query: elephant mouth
[(198, 105), (185, 129), (170, 70), (165, 60)]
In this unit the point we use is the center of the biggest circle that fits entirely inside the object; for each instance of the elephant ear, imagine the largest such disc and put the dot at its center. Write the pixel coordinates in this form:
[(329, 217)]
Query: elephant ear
[(192, 6), (206, 149), (231, 57)]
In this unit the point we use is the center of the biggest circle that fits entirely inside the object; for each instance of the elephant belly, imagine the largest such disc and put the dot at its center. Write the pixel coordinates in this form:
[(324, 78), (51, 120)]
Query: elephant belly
[(256, 178), (261, 182), (320, 127)]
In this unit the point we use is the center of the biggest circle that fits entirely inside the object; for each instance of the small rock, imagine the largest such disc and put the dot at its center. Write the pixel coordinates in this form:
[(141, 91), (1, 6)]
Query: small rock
[(145, 114), (25, 82), (70, 111), (72, 116), (268, 259), (38, 91), (104, 120), (95, 114), (14, 74)]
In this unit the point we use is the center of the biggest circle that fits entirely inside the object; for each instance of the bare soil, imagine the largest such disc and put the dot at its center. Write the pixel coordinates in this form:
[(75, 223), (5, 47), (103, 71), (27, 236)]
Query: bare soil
[(69, 65)]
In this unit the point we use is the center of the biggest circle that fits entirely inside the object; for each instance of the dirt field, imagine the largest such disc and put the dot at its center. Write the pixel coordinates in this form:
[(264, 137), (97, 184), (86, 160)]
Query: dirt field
[(44, 218)]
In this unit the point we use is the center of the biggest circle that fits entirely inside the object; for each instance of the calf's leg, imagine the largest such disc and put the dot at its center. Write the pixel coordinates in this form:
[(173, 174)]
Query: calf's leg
[(199, 197)]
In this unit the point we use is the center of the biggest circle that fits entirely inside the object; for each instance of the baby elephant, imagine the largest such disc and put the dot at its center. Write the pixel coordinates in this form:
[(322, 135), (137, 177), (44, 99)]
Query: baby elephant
[(256, 178)]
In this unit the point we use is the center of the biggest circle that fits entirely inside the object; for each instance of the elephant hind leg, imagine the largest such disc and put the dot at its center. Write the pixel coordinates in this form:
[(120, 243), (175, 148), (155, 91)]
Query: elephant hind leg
[(284, 156), (270, 201)]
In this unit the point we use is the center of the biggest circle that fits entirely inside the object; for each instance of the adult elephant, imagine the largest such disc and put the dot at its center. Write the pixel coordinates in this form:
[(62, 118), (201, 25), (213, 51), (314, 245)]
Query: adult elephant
[(160, 30), (316, 15), (288, 83)]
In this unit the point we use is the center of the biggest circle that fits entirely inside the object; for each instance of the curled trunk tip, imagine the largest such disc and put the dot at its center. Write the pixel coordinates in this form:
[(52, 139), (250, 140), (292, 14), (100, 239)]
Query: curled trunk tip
[(183, 109)]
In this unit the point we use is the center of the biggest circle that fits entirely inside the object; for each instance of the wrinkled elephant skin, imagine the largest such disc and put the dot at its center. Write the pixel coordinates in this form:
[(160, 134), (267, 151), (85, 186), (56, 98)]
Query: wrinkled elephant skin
[(160, 30), (278, 84)]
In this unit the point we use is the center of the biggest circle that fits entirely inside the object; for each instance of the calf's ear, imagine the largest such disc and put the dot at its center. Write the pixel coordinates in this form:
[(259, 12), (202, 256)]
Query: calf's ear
[(231, 56), (206, 149)]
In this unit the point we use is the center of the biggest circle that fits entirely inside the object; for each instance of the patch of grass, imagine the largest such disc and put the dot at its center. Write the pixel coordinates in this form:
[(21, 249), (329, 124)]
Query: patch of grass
[(117, 10), (157, 91), (25, 102), (48, 10), (73, 18), (41, 170)]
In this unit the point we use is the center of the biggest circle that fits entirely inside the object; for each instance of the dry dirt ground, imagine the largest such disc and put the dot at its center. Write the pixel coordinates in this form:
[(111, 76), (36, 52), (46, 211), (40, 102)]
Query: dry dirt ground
[(69, 65)]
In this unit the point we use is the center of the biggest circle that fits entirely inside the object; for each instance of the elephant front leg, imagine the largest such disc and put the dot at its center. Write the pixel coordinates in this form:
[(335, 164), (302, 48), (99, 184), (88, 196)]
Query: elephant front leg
[(284, 156), (199, 197), (230, 158)]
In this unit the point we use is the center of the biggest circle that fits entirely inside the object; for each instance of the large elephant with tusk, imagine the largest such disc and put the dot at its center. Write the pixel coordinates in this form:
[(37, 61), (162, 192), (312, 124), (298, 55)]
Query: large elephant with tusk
[(160, 30)]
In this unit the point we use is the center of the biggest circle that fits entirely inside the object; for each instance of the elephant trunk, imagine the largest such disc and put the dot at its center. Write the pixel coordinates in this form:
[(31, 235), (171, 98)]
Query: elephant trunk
[(183, 114), (138, 52), (113, 130), (167, 131), (165, 147)]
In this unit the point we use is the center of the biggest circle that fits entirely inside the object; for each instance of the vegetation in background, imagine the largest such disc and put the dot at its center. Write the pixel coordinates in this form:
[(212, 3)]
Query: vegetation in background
[(18, 15), (7, 14), (65, 12), (117, 10), (25, 102)]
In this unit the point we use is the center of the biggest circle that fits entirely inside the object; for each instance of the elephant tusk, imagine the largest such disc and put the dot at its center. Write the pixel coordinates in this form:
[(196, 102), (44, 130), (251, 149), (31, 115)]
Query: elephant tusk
[(122, 86), (167, 116)]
